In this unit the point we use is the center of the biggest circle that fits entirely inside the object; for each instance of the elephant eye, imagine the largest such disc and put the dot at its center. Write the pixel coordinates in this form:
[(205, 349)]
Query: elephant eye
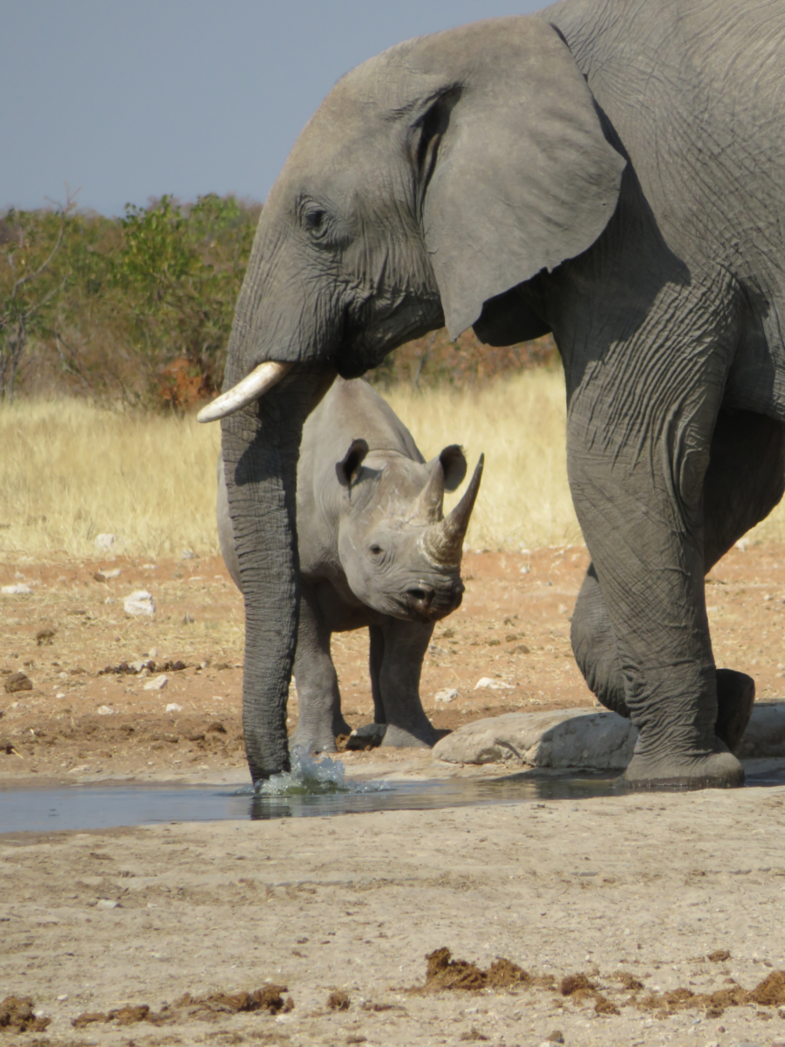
[(314, 222)]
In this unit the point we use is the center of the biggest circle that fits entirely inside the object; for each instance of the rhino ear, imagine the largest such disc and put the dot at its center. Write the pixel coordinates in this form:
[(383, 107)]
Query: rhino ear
[(454, 465), (515, 174), (346, 470)]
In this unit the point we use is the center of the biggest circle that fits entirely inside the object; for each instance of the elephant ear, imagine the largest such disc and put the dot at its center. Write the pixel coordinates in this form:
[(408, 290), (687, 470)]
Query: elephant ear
[(516, 172)]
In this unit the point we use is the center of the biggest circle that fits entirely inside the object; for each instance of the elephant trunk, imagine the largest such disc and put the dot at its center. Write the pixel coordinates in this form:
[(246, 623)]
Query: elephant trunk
[(260, 449), (444, 540)]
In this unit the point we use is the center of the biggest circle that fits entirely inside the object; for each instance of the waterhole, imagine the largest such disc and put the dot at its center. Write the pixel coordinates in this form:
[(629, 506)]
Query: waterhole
[(312, 789)]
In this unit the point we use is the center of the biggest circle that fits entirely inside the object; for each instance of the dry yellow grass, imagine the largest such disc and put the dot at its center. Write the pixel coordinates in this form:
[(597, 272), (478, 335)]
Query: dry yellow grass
[(70, 471)]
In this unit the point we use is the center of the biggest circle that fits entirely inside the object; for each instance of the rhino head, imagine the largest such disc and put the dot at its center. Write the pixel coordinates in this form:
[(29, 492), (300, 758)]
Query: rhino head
[(400, 554)]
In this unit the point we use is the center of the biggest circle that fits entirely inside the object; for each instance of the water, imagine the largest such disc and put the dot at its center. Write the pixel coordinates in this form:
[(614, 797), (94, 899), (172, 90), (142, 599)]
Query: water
[(312, 789)]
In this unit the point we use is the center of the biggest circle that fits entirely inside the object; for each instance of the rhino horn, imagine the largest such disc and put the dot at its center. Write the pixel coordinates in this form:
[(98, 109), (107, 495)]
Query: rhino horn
[(429, 505), (444, 540)]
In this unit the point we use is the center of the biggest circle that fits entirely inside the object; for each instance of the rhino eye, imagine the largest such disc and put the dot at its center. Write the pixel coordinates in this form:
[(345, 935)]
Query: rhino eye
[(376, 549)]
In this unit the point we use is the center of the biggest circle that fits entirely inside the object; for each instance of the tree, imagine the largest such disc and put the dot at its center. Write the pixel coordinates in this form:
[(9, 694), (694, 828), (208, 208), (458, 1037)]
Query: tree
[(29, 283)]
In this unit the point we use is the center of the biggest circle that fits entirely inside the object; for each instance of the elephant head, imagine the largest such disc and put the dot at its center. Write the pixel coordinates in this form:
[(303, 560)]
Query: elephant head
[(433, 180)]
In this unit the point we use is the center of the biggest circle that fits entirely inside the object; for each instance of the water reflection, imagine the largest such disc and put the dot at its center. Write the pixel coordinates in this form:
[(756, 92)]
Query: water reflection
[(106, 806)]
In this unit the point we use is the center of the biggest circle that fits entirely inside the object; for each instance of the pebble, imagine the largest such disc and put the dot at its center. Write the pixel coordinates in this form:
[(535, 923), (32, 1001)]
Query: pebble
[(139, 603), (18, 682), (189, 554), (447, 694), (104, 575), (102, 710), (486, 682), (20, 589), (105, 541), (173, 707), (157, 683), (107, 903)]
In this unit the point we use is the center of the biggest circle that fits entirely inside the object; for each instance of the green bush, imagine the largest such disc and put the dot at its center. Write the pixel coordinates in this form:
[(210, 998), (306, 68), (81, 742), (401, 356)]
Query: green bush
[(139, 308)]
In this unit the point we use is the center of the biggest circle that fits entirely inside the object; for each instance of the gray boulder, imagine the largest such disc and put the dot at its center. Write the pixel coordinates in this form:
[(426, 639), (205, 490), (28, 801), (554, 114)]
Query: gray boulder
[(568, 738)]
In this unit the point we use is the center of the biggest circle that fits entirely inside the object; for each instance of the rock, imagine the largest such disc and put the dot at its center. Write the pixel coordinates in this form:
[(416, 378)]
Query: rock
[(18, 682), (20, 589), (492, 684), (367, 737), (765, 733), (107, 903), (157, 683), (558, 740), (105, 710), (189, 554), (45, 636), (447, 694), (139, 603), (105, 541), (173, 707), (104, 575)]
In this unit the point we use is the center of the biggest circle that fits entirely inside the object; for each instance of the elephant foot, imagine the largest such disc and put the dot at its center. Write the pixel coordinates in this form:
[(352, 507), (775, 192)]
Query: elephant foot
[(735, 698), (716, 770), (424, 737)]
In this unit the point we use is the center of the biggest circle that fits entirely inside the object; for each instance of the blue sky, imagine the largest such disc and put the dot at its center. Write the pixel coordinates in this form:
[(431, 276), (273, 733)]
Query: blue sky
[(127, 100)]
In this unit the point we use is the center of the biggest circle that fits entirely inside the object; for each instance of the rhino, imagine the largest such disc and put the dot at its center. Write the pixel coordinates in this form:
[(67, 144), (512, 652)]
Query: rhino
[(375, 551)]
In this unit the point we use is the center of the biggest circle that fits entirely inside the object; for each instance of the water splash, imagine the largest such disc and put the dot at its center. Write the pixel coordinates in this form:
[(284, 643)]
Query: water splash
[(311, 777)]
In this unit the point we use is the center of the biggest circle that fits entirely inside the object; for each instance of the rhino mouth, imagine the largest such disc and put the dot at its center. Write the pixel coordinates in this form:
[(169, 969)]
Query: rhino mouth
[(425, 604)]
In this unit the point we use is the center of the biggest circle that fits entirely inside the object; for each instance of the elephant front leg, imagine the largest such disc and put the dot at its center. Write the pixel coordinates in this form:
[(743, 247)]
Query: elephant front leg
[(641, 513), (744, 481), (405, 644), (320, 720)]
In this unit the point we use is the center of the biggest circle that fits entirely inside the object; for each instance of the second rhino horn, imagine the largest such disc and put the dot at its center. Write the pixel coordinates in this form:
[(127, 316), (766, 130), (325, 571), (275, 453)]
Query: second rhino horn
[(444, 540), (429, 505)]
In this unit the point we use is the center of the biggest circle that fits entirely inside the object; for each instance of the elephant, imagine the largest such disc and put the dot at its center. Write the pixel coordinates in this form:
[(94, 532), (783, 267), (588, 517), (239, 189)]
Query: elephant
[(606, 170), (375, 551)]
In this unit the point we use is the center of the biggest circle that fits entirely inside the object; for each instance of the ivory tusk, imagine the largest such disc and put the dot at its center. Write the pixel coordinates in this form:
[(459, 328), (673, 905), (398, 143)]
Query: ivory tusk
[(254, 385)]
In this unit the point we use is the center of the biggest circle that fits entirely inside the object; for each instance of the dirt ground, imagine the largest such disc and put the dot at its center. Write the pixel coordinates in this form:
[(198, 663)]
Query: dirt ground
[(667, 908), (81, 722)]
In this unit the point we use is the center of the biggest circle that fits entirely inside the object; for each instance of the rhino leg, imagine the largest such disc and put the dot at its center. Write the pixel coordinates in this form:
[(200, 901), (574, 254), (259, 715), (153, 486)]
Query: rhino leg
[(405, 644), (319, 698), (376, 660)]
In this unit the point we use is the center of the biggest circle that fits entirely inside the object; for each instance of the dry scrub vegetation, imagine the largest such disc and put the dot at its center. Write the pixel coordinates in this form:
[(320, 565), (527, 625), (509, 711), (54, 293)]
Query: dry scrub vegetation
[(71, 470)]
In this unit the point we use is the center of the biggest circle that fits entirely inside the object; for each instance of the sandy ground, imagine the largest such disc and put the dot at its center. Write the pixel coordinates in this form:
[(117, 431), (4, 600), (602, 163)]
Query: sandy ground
[(650, 897)]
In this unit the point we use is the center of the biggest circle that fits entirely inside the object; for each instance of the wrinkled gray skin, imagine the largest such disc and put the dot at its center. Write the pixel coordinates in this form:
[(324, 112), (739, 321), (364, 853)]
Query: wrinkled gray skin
[(608, 170), (366, 500)]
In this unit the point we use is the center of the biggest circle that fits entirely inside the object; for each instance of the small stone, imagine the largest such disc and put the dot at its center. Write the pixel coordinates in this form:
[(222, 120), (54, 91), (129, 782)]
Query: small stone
[(742, 545), (139, 603), (105, 541), (487, 683), (60, 694), (557, 1036), (102, 710), (20, 589), (105, 575), (107, 903), (157, 683), (18, 682), (189, 554), (45, 636), (138, 665), (447, 694), (173, 707)]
